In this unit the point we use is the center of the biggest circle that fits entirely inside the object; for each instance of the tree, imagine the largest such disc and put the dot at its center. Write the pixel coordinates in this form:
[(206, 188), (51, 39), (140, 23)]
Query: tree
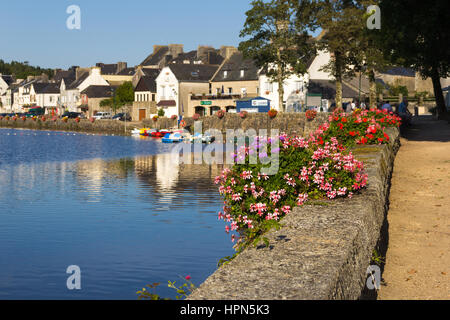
[(342, 21), (278, 40), (415, 34), (124, 94)]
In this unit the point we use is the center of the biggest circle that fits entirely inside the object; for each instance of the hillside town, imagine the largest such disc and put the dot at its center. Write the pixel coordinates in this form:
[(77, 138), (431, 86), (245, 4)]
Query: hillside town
[(201, 81)]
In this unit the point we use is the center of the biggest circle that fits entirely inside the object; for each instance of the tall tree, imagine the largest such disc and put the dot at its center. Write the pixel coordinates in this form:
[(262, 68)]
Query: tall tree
[(341, 20), (416, 34), (277, 40)]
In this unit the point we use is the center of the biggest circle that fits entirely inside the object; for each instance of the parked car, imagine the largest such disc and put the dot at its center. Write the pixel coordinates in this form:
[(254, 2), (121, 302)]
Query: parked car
[(122, 117), (102, 115), (71, 115)]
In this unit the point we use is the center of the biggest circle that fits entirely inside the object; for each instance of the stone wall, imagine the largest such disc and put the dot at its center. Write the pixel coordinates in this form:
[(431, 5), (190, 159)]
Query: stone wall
[(100, 126), (322, 251), (290, 123)]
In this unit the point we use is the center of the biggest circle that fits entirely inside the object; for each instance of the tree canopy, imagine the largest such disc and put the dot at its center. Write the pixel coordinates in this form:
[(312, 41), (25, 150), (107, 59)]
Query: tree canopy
[(277, 39), (21, 70)]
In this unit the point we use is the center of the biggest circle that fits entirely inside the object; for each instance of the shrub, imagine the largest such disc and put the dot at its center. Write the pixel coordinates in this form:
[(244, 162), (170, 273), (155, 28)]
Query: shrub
[(196, 116), (43, 119), (77, 119), (174, 117), (24, 118), (155, 118), (220, 114), (161, 112), (92, 119), (243, 114), (360, 127), (311, 114), (255, 202), (272, 113)]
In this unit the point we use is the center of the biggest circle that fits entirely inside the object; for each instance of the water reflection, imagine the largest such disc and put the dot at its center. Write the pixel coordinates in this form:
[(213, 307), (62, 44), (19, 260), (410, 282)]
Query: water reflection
[(125, 222)]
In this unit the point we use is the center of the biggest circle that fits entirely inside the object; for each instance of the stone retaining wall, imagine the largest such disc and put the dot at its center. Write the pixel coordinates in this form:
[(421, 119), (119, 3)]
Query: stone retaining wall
[(290, 123), (100, 126), (322, 251)]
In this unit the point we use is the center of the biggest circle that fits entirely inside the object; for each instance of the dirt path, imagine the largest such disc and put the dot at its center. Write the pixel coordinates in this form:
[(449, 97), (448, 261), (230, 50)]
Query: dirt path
[(418, 254)]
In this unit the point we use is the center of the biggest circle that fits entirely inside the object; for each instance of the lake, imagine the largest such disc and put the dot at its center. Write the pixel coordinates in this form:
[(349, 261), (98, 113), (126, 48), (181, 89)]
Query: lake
[(115, 206)]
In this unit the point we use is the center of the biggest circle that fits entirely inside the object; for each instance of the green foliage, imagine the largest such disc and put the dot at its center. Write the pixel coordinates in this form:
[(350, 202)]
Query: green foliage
[(183, 291), (21, 70), (124, 94), (107, 103), (277, 38), (161, 112), (396, 89)]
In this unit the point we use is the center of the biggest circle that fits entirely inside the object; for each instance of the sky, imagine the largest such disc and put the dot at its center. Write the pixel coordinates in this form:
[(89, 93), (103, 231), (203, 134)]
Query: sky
[(112, 31)]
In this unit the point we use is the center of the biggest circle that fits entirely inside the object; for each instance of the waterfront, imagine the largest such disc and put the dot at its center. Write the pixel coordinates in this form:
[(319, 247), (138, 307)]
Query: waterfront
[(115, 206)]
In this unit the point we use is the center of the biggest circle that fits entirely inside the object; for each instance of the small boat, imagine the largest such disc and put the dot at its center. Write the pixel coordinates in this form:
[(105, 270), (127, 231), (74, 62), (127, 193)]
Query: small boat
[(160, 133), (136, 132), (198, 137), (172, 138), (146, 132)]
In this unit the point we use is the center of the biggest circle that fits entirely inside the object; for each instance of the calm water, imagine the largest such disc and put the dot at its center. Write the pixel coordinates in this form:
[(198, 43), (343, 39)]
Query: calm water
[(115, 206)]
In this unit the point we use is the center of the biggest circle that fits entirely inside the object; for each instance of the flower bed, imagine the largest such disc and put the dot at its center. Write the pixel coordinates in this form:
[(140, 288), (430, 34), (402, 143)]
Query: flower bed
[(317, 168), (311, 114)]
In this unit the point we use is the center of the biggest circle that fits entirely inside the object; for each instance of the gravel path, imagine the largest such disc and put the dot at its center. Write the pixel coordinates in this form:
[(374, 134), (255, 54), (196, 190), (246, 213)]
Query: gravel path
[(418, 254)]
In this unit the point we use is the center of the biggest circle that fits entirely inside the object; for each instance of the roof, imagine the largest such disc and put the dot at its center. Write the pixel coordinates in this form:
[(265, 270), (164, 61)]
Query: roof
[(234, 65), (45, 88), (328, 89), (156, 57), (400, 71), (145, 84), (98, 91), (193, 72), (127, 72), (107, 68), (80, 80), (67, 75), (8, 79), (167, 103), (151, 72)]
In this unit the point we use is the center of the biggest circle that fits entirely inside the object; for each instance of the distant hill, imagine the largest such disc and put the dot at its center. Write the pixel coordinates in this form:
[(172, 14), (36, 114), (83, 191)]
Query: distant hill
[(22, 70)]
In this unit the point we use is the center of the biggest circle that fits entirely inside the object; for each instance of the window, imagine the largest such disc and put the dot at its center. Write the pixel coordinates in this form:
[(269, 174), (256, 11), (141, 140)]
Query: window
[(230, 90), (153, 97), (244, 91), (225, 74), (242, 73)]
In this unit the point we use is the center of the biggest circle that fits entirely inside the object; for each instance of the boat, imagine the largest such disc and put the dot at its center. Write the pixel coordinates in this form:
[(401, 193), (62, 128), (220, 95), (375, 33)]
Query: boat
[(172, 138), (146, 132), (136, 132), (160, 133), (198, 137)]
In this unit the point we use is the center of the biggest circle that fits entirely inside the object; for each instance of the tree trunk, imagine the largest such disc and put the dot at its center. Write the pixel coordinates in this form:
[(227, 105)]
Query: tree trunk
[(280, 83), (438, 94), (338, 77), (373, 90), (338, 93)]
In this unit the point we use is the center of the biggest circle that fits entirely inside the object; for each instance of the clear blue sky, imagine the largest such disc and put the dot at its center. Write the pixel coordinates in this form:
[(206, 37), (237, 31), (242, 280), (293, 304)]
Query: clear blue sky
[(112, 31)]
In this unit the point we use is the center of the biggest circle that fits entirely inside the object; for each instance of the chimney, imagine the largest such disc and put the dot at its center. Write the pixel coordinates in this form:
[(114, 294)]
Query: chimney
[(95, 70), (227, 51), (175, 50), (121, 66)]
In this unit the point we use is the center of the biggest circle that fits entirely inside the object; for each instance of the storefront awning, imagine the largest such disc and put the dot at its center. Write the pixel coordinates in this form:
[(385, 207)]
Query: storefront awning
[(167, 103)]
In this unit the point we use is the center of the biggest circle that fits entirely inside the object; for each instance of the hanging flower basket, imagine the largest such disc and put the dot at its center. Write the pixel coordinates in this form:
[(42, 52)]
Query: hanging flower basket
[(54, 119), (272, 113), (92, 119), (155, 118), (1, 117), (43, 119), (267, 92), (7, 118), (174, 117), (14, 118), (311, 115), (77, 120), (24, 118), (243, 114), (196, 116), (34, 118), (220, 114), (65, 119)]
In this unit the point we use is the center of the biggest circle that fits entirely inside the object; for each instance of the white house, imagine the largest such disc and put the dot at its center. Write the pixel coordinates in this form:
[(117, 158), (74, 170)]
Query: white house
[(5, 82), (71, 94), (45, 95), (167, 92), (294, 91)]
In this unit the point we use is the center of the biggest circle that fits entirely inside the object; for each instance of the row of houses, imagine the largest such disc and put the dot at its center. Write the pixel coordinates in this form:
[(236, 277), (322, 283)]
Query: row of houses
[(182, 83)]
